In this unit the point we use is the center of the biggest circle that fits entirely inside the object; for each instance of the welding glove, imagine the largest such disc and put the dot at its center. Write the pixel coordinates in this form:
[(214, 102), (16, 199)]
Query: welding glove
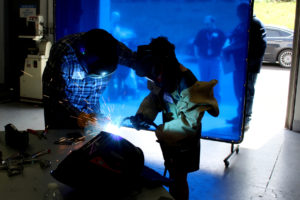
[(140, 122), (85, 119)]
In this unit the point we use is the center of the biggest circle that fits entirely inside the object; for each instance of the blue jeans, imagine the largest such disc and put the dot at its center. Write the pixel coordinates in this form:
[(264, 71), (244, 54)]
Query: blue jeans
[(250, 91)]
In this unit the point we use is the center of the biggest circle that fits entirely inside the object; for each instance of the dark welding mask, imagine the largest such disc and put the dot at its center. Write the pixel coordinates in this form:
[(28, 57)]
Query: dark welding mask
[(95, 66), (147, 64), (97, 51), (160, 67)]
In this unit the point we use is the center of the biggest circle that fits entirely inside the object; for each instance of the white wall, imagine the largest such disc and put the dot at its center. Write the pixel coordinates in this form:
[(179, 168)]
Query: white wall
[(296, 61), (296, 122), (46, 10), (1, 42)]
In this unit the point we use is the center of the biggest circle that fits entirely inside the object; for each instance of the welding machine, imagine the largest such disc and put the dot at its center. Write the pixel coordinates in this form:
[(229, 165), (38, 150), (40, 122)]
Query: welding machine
[(35, 62)]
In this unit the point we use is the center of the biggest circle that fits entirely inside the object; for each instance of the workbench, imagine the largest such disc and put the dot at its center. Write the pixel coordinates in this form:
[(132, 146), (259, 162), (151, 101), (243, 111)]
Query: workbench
[(33, 181)]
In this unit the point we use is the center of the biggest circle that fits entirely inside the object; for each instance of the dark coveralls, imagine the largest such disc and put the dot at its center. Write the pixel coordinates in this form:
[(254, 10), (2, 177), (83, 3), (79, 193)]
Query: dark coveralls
[(257, 47)]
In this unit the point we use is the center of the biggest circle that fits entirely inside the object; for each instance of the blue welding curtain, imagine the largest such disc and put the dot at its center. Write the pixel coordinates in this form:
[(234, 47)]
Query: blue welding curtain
[(185, 23)]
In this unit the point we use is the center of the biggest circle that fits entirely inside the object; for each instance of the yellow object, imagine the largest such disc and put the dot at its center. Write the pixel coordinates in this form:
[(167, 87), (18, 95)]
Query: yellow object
[(85, 119)]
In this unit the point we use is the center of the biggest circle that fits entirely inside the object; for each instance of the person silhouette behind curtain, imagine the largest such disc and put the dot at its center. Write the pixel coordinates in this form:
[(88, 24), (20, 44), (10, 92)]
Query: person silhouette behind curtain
[(237, 48), (207, 47)]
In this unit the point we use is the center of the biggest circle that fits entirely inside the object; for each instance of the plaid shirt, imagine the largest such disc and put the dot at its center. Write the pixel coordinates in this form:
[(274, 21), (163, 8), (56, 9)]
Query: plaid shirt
[(65, 80)]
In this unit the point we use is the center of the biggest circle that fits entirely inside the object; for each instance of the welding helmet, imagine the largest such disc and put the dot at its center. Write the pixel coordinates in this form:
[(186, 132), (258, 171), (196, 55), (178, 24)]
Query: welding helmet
[(97, 52), (146, 62), (157, 61)]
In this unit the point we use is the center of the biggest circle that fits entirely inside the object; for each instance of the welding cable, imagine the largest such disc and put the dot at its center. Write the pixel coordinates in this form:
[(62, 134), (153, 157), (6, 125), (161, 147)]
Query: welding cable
[(40, 153)]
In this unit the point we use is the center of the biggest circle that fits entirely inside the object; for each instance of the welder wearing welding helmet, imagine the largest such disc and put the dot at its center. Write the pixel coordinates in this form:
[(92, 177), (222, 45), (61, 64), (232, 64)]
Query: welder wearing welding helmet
[(77, 72), (158, 63), (174, 91)]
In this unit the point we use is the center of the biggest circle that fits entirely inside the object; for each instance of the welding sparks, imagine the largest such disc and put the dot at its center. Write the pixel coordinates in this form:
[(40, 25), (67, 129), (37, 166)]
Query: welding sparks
[(87, 101), (71, 116), (92, 130), (27, 73), (90, 109), (106, 104), (112, 128)]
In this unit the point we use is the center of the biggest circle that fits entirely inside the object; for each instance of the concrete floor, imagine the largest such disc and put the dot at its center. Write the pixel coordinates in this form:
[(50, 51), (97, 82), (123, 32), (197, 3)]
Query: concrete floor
[(267, 164)]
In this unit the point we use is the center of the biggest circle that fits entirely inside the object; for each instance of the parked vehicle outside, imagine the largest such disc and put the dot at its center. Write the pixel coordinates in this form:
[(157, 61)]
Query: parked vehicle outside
[(279, 45)]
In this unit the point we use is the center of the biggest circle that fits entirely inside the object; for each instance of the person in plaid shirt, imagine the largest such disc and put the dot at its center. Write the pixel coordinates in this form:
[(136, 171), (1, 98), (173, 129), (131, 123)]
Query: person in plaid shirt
[(77, 72)]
